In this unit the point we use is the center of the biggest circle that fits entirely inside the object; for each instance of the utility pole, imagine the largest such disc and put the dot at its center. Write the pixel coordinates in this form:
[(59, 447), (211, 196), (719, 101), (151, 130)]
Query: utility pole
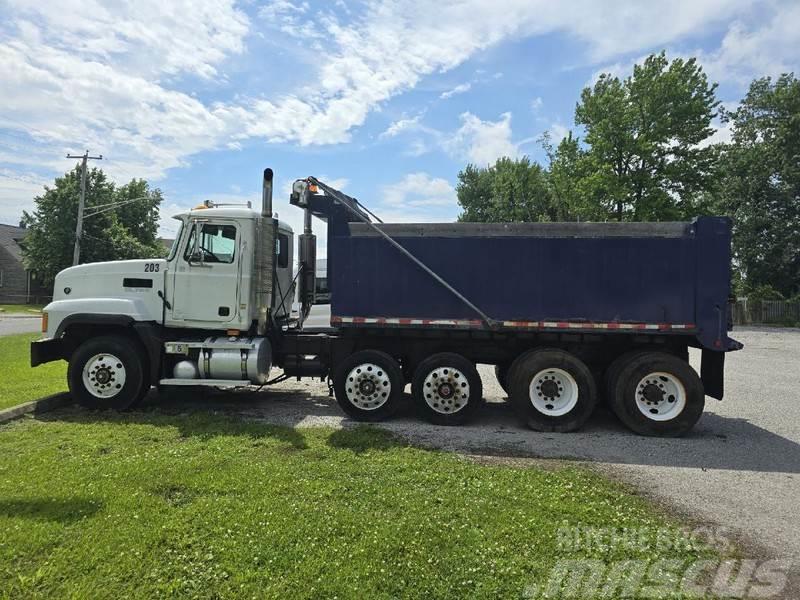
[(76, 252)]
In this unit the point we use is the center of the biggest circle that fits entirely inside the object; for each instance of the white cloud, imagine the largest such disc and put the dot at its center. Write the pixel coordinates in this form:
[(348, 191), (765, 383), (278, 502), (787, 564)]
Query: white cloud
[(393, 44), (279, 9), (419, 189), (482, 142), (459, 89), (557, 133), (82, 75), (149, 37), (417, 147), (747, 52), (401, 125), (17, 190), (339, 183), (536, 104)]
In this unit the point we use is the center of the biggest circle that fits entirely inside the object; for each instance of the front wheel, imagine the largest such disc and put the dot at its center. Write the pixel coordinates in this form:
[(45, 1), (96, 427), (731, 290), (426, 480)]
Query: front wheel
[(107, 373), (369, 385), (552, 390), (658, 394)]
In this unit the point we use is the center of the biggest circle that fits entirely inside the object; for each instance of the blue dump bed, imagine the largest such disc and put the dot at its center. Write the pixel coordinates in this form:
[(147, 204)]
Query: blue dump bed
[(670, 278)]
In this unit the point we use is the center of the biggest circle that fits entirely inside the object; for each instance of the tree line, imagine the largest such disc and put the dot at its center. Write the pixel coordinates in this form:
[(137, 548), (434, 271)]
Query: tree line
[(647, 154)]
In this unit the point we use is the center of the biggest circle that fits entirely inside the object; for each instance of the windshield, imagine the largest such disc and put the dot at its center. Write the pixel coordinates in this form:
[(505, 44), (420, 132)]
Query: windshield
[(175, 243)]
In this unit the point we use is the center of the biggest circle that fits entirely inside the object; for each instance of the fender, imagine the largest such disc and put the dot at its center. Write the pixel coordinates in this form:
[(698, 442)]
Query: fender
[(148, 333), (92, 319), (97, 310)]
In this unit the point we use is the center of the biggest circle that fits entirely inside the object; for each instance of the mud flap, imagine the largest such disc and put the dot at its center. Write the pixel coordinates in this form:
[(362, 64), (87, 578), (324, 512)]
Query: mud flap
[(712, 373)]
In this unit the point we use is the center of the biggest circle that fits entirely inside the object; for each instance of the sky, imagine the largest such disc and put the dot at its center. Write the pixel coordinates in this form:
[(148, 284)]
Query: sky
[(385, 99)]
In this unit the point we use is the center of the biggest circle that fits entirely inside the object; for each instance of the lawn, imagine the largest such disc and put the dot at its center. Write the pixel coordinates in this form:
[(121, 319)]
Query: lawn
[(19, 382), (143, 504), (31, 309)]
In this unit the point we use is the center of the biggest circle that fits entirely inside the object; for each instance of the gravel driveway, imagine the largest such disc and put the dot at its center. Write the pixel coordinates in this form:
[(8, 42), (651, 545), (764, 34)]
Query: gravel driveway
[(740, 467)]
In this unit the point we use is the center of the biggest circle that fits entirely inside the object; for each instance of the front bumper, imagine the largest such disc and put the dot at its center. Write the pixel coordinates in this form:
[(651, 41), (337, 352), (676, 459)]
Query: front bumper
[(44, 351)]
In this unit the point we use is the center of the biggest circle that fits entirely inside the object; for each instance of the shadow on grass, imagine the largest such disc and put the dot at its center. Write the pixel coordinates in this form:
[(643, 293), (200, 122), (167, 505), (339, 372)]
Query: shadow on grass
[(718, 442), (192, 420), (363, 438), (64, 510)]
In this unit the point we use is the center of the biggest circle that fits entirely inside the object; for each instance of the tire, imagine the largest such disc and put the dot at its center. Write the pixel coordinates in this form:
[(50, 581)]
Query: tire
[(658, 394), (501, 373), (447, 389), (611, 375), (565, 401), (374, 372), (107, 373)]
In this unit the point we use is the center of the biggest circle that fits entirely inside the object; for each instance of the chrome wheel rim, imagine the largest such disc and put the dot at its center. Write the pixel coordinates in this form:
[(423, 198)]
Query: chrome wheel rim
[(368, 386), (104, 375), (660, 396), (553, 392), (446, 390)]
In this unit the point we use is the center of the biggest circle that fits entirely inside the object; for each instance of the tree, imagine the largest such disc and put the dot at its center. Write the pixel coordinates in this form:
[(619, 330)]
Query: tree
[(568, 178), (760, 186), (512, 190), (122, 232), (644, 160)]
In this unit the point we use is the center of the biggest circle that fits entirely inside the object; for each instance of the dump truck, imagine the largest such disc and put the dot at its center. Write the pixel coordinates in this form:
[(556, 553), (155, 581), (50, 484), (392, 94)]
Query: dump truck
[(569, 314)]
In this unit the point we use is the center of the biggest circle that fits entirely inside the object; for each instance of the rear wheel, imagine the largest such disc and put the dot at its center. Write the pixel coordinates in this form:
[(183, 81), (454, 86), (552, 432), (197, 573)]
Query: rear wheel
[(369, 385), (658, 394), (552, 390), (611, 376), (447, 389), (107, 372)]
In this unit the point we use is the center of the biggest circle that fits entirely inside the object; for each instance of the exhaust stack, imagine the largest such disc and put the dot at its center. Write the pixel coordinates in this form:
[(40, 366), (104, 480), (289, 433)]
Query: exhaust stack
[(307, 246), (265, 255)]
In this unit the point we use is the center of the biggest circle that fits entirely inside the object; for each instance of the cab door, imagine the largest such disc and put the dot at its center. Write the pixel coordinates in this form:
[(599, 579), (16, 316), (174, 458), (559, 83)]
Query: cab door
[(206, 276)]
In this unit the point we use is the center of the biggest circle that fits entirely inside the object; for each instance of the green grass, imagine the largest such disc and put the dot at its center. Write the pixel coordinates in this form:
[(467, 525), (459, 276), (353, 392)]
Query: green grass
[(19, 382), (96, 505), (30, 309)]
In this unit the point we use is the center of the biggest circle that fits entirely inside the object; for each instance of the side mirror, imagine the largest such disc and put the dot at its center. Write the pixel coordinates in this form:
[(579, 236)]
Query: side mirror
[(196, 256)]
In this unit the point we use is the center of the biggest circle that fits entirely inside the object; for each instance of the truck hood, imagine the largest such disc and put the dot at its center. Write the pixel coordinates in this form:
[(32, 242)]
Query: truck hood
[(114, 279)]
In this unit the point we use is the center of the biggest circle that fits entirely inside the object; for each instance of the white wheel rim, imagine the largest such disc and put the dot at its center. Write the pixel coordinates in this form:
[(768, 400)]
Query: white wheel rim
[(446, 390), (660, 396), (368, 386), (553, 392), (104, 375)]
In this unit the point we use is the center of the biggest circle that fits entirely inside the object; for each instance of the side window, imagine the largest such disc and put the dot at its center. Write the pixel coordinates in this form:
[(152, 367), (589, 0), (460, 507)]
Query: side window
[(217, 243), (282, 250)]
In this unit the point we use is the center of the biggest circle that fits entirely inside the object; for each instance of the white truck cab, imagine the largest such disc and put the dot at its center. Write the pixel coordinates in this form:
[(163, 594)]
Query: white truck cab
[(205, 282), (204, 315)]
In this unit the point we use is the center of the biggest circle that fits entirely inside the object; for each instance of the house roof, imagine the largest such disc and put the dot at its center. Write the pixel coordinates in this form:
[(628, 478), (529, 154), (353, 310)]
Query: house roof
[(10, 238)]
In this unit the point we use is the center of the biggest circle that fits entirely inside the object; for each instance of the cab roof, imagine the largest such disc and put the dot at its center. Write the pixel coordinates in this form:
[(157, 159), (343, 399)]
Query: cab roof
[(230, 212)]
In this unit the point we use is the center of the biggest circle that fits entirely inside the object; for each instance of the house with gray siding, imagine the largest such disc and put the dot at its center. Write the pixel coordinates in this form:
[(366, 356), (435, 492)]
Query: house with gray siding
[(18, 285)]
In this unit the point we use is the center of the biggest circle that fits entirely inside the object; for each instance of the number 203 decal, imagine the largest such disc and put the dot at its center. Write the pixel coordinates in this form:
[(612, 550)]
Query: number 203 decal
[(151, 267)]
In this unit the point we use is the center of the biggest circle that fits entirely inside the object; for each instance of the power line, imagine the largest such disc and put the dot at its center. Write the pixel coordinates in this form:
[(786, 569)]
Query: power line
[(76, 252), (104, 208)]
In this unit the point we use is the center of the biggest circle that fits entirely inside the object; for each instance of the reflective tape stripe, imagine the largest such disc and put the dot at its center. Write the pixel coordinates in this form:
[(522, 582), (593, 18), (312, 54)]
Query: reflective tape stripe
[(476, 324)]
